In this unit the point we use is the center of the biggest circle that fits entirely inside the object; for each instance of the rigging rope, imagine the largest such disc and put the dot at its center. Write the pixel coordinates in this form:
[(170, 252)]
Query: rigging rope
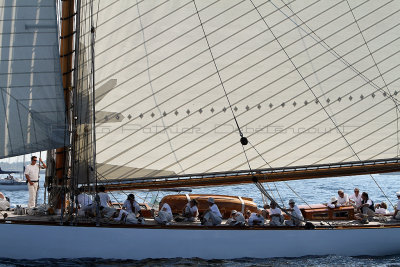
[(219, 76)]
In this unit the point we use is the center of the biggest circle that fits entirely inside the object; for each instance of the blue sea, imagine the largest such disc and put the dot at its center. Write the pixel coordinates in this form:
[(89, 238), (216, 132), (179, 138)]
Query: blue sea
[(303, 191)]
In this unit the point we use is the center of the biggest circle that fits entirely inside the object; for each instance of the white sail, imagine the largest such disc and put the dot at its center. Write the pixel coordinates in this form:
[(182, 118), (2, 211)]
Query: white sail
[(312, 82), (32, 113)]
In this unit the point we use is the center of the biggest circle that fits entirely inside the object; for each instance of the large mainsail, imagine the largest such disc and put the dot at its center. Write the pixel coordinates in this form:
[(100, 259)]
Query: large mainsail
[(32, 113), (312, 82)]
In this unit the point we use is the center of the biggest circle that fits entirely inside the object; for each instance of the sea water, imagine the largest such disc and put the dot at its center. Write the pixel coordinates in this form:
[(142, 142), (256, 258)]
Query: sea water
[(302, 191)]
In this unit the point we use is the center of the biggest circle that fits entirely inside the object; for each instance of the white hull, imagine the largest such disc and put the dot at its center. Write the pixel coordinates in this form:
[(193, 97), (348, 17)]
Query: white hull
[(38, 241)]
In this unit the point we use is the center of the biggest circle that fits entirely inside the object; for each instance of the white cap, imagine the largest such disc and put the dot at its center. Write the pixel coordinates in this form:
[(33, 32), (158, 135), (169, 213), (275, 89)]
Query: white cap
[(333, 199), (233, 212), (398, 193), (211, 200)]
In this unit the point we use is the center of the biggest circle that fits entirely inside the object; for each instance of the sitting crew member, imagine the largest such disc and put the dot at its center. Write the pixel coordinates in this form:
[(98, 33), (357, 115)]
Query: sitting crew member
[(105, 207), (333, 204), (396, 214), (212, 216), (4, 203), (191, 212), (105, 200), (367, 205), (276, 215), (127, 217), (381, 209), (343, 199), (164, 215), (256, 219), (355, 199), (264, 211), (236, 219), (296, 217), (131, 206), (84, 202)]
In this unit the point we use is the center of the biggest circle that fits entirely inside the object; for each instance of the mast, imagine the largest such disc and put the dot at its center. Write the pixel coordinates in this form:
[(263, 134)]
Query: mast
[(66, 53)]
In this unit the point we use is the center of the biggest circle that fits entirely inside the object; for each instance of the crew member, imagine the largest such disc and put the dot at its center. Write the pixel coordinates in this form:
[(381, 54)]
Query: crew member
[(191, 212), (164, 215), (32, 178), (213, 215), (132, 206), (84, 202), (296, 217), (396, 214)]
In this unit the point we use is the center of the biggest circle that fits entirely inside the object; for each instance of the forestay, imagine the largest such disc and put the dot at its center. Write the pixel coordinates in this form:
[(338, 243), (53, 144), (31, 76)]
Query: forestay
[(32, 113), (161, 109)]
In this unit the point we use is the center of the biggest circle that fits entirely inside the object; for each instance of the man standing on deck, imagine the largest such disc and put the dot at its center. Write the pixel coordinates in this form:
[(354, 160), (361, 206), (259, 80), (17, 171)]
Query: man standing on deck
[(32, 178)]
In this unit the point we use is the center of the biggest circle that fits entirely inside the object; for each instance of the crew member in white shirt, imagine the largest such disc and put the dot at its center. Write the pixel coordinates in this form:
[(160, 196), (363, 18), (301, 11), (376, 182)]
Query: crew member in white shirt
[(105, 200), (212, 216), (127, 217), (355, 199), (164, 215), (84, 202), (191, 212), (256, 219), (32, 177), (343, 198), (296, 217), (276, 215), (381, 209), (396, 214), (132, 206), (4, 203), (333, 203), (236, 219)]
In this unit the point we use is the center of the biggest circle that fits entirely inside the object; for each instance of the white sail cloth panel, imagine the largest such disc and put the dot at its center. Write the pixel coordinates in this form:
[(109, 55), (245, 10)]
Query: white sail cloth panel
[(32, 113), (167, 111)]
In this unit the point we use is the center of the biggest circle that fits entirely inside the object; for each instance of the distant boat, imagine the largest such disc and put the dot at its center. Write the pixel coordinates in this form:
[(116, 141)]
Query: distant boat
[(10, 183)]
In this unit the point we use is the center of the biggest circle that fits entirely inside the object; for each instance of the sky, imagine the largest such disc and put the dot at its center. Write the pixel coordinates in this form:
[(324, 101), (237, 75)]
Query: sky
[(42, 154)]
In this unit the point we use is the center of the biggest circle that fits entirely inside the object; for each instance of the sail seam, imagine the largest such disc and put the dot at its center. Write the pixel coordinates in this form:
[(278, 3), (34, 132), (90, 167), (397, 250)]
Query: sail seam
[(152, 89), (383, 79)]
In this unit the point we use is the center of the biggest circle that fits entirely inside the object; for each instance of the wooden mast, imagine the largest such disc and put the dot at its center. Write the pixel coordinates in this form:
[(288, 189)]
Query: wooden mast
[(66, 53)]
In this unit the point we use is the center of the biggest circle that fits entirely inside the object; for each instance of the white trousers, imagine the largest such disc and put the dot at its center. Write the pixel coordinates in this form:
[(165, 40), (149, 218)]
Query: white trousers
[(397, 216), (163, 217), (211, 219), (32, 194), (276, 220), (4, 204)]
